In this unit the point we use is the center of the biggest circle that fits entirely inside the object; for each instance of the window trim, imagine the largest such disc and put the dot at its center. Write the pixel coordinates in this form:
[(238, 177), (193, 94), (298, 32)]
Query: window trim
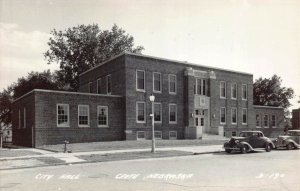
[(158, 103), (107, 124), (88, 120), (234, 123), (169, 77), (222, 123), (136, 111), (174, 137), (244, 109), (243, 92), (160, 82), (274, 120), (68, 122), (24, 117), (108, 76), (267, 121), (137, 135), (234, 98), (259, 121), (136, 81), (99, 86), (221, 90), (173, 104), (160, 137)]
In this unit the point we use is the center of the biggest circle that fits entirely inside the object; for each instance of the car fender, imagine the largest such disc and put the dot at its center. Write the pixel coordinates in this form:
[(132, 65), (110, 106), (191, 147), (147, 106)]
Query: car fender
[(270, 142), (245, 143), (287, 141)]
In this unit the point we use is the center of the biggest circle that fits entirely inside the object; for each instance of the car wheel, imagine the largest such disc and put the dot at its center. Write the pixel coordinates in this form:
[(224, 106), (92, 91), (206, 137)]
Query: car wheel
[(268, 147), (228, 150), (290, 146), (243, 149)]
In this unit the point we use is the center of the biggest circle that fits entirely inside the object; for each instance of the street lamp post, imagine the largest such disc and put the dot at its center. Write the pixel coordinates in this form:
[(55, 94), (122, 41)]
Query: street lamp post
[(152, 98)]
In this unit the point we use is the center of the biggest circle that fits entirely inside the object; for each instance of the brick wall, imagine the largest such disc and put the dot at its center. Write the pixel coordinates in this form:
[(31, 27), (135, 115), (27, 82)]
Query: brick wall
[(296, 118)]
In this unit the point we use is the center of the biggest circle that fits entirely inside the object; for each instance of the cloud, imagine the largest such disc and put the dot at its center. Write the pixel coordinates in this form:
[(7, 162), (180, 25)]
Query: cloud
[(21, 52)]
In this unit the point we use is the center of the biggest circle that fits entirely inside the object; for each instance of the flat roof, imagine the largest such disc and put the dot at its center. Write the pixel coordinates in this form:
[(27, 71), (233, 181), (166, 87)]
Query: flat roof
[(66, 92), (164, 59), (265, 106)]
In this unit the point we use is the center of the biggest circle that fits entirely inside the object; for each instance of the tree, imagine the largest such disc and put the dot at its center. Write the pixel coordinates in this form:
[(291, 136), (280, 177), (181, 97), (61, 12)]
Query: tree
[(268, 91), (80, 48), (34, 80)]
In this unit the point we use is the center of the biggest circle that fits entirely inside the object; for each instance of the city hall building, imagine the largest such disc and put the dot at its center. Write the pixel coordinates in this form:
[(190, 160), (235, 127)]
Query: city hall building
[(113, 103)]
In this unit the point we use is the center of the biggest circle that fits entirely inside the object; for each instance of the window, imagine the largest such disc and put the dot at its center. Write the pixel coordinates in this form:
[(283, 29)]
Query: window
[(273, 121), (108, 84), (258, 121), (223, 115), (266, 121), (157, 112), (172, 84), (63, 115), (20, 125), (158, 134), (244, 116), (156, 82), (233, 91), (24, 118), (222, 89), (140, 112), (102, 113), (140, 135), (83, 115), (90, 87), (234, 115), (172, 134), (172, 113), (233, 133), (244, 91), (140, 80), (200, 86), (99, 86)]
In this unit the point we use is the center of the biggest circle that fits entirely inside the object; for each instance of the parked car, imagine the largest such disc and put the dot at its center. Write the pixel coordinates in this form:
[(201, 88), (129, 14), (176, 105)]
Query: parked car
[(289, 141), (248, 141)]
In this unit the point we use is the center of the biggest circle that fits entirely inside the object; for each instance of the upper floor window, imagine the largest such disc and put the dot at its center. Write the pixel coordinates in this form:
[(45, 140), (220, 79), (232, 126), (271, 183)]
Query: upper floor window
[(90, 87), (24, 117), (108, 84), (223, 115), (20, 119), (266, 121), (222, 89), (140, 112), (244, 116), (172, 113), (156, 82), (63, 115), (234, 115), (258, 120), (157, 112), (102, 116), (244, 91), (83, 115), (140, 80), (99, 86), (233, 91), (273, 121), (200, 86), (172, 84)]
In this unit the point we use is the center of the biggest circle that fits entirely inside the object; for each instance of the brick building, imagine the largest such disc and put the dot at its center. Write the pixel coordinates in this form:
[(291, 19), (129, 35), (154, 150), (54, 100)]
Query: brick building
[(296, 118), (113, 104)]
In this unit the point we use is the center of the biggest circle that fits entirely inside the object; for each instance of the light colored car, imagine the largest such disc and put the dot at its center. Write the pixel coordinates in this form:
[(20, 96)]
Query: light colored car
[(289, 141)]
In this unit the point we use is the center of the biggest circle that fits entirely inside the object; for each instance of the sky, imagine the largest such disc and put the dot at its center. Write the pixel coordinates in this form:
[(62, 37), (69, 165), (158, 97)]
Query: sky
[(255, 36)]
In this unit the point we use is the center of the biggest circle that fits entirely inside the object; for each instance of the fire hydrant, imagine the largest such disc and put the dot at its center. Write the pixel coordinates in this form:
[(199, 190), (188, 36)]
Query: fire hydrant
[(65, 148)]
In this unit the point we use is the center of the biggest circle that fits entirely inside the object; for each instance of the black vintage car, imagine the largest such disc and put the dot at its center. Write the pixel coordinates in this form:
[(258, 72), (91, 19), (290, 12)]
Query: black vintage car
[(248, 141), (289, 141)]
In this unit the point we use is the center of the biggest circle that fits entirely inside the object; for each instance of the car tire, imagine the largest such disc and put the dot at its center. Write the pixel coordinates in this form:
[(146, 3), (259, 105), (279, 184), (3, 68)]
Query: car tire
[(243, 149), (268, 147), (228, 151), (290, 146)]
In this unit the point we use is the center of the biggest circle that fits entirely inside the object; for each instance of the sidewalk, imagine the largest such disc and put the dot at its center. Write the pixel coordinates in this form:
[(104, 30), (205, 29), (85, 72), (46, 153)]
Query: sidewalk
[(46, 158)]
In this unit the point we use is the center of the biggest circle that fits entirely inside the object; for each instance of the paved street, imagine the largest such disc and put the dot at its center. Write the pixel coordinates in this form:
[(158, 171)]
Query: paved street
[(277, 170)]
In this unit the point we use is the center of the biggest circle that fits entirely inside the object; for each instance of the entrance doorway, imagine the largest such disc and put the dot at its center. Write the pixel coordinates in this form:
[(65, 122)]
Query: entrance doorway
[(200, 120)]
